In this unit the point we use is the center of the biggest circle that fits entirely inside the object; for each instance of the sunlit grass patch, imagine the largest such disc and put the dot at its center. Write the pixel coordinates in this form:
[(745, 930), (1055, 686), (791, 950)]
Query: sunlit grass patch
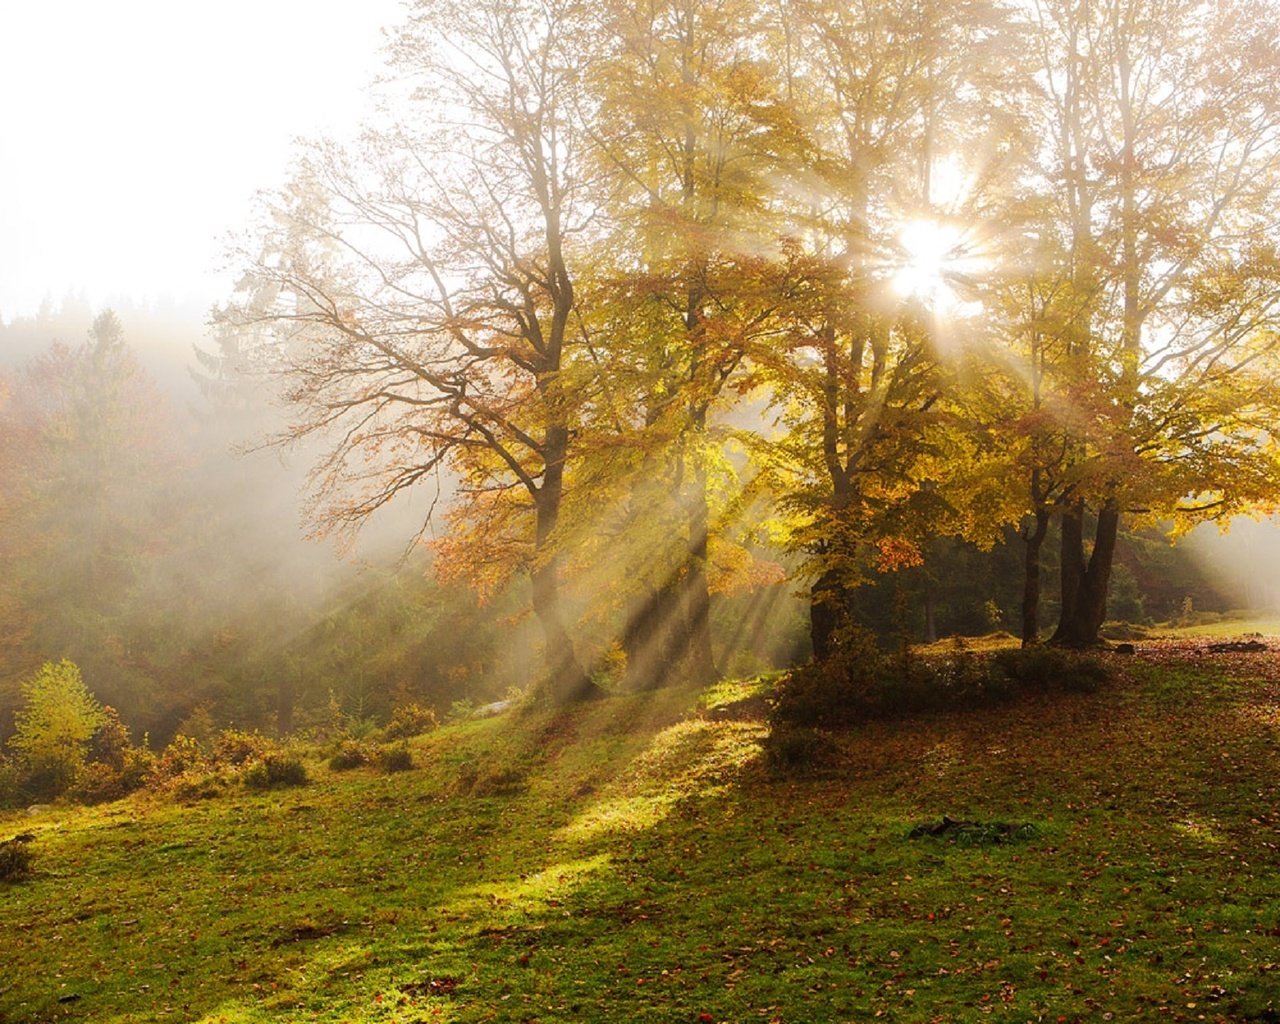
[(731, 691)]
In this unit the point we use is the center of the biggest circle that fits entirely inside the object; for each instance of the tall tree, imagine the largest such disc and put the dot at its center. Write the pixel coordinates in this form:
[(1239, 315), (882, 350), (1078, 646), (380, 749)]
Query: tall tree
[(1156, 303), (91, 453), (424, 293), (679, 87), (878, 95)]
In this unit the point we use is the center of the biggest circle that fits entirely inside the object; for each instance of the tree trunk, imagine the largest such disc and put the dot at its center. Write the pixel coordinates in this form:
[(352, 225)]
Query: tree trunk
[(1031, 579), (566, 680), (930, 621), (697, 588), (828, 611), (653, 638), (1085, 584)]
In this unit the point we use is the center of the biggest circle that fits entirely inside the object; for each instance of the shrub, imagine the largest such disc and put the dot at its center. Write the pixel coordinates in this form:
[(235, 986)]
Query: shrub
[(350, 754), (396, 758), (274, 769), (411, 719), (138, 769), (835, 691), (183, 754), (58, 718), (1048, 668), (236, 747), (792, 749), (15, 860), (97, 783), (110, 743), (199, 784), (858, 682)]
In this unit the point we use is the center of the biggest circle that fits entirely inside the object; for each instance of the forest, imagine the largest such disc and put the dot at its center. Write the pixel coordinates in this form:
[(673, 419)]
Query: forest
[(700, 510)]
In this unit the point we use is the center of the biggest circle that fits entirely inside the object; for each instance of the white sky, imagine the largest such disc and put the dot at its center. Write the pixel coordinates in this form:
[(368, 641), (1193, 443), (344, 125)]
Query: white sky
[(133, 133)]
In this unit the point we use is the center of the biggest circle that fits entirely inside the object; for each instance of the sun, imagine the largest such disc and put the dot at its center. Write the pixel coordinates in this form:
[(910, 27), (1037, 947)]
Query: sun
[(933, 257)]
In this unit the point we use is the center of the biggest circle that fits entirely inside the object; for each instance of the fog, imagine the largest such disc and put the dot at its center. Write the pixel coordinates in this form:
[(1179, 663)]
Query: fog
[(154, 536)]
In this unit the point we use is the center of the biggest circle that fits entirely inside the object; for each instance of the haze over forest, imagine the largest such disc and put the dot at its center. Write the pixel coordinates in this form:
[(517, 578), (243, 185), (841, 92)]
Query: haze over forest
[(703, 510), (175, 571)]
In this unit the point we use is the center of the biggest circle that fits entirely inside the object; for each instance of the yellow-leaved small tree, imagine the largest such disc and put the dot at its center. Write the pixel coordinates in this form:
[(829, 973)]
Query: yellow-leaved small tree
[(58, 718)]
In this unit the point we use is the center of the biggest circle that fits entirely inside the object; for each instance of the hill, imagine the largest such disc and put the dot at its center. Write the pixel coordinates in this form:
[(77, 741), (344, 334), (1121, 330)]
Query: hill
[(636, 860)]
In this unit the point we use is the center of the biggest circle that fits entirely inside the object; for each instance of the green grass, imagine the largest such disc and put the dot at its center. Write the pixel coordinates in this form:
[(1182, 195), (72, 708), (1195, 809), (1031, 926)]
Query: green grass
[(632, 861)]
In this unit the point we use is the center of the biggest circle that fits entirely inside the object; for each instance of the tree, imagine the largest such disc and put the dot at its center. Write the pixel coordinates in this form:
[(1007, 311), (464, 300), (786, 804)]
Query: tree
[(876, 95), (54, 727), (425, 298), (92, 458), (1153, 308), (678, 89)]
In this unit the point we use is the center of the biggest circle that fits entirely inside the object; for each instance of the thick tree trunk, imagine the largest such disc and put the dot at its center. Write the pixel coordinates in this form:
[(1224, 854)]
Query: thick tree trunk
[(566, 680), (1085, 584), (930, 620), (654, 639), (828, 611), (1031, 579)]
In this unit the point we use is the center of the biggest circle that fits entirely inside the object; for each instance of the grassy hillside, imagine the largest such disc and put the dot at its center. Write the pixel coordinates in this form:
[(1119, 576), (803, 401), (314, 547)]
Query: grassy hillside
[(634, 860)]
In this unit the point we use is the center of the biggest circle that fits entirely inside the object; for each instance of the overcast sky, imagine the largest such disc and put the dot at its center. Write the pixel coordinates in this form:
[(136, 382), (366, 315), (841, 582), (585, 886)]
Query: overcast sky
[(133, 133)]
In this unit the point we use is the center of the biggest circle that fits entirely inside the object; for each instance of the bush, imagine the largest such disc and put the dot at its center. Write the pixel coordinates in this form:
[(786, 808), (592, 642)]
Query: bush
[(1050, 668), (859, 682), (183, 754), (835, 691), (411, 719), (395, 759), (15, 860), (274, 769), (199, 784), (794, 749), (138, 769), (97, 783), (235, 747), (111, 743), (350, 754)]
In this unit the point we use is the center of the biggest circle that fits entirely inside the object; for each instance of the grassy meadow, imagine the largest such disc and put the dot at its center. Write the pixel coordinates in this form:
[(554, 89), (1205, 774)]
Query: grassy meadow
[(636, 860)]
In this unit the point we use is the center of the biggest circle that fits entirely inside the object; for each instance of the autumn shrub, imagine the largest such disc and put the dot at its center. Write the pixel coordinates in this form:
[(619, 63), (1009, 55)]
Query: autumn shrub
[(859, 683), (274, 769), (1051, 668), (836, 690), (138, 768), (97, 783), (798, 749), (411, 719), (200, 784), (350, 754), (15, 860), (111, 743), (395, 758), (236, 747), (183, 754)]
